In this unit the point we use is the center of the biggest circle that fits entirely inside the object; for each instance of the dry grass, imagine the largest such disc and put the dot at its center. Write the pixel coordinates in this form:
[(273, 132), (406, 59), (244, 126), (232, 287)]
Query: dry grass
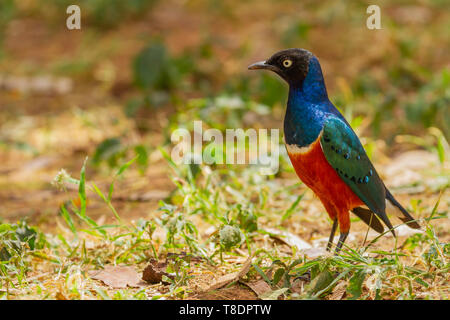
[(42, 132)]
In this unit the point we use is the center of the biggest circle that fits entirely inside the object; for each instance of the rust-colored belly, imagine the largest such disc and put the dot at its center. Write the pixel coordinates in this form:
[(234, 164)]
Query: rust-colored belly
[(314, 170)]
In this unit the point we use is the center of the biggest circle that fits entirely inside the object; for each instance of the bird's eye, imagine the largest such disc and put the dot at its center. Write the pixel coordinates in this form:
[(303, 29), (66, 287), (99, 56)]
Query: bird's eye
[(287, 63)]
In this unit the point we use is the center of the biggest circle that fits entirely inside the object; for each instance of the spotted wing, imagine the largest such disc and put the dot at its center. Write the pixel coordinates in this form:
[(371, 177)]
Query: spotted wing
[(346, 155)]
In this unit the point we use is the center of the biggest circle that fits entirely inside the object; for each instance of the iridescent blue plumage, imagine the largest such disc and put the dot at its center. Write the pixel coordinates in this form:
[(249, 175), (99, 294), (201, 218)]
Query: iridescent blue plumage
[(308, 107), (309, 113), (325, 151)]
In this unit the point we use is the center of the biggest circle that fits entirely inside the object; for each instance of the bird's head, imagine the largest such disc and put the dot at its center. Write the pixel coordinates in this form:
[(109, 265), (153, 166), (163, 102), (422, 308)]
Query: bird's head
[(290, 64)]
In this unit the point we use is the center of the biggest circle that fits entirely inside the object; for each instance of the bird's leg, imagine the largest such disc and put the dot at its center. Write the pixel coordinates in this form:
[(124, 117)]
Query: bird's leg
[(341, 241), (333, 231)]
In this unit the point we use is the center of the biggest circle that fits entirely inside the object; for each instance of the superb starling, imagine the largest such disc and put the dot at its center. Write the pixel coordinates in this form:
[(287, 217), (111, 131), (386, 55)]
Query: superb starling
[(325, 151)]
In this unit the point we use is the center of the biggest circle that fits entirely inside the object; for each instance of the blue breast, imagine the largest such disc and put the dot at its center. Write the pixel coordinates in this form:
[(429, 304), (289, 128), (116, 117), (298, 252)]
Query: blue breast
[(308, 107)]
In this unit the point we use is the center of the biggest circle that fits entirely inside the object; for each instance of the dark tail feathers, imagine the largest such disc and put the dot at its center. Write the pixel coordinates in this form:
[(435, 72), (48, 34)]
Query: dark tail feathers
[(369, 218), (407, 218)]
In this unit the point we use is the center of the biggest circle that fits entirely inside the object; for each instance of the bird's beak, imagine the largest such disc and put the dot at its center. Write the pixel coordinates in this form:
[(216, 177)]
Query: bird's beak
[(258, 65), (262, 65)]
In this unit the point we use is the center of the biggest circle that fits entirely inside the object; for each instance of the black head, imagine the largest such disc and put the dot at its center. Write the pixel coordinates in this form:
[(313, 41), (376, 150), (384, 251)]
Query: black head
[(290, 64)]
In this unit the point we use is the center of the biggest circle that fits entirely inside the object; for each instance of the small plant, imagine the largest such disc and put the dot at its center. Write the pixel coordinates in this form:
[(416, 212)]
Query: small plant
[(178, 227), (17, 242)]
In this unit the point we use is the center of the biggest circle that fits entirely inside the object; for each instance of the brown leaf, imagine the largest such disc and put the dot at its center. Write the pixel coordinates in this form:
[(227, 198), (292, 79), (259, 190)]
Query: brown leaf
[(118, 276), (259, 287), (223, 280), (154, 272), (226, 279), (338, 291), (245, 267), (288, 238)]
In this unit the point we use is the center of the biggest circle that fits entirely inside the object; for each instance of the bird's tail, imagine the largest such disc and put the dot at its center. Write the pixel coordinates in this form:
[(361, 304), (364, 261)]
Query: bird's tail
[(369, 218), (395, 208)]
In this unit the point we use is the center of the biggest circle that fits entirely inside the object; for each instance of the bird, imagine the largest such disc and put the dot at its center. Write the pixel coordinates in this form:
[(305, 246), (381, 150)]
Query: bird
[(325, 151)]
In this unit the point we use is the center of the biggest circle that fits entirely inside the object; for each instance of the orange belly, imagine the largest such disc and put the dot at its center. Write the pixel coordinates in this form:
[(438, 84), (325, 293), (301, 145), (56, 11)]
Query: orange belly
[(314, 170)]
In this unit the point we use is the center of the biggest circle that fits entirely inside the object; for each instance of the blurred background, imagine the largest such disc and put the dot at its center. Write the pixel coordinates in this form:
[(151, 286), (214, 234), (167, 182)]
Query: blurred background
[(139, 69)]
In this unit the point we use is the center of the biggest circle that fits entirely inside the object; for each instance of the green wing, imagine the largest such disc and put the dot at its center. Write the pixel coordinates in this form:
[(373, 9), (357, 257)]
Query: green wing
[(346, 155)]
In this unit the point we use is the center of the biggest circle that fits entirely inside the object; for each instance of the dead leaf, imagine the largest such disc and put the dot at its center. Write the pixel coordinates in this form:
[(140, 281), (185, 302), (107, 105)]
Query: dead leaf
[(288, 238), (273, 295), (338, 291), (223, 280), (231, 277), (155, 271), (118, 276), (259, 287), (245, 267)]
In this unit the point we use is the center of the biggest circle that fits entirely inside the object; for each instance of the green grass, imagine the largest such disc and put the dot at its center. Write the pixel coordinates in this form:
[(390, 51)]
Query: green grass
[(416, 269), (219, 213)]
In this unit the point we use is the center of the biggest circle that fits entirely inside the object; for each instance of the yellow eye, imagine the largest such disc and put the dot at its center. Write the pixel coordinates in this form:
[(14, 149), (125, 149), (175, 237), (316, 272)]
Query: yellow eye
[(287, 63)]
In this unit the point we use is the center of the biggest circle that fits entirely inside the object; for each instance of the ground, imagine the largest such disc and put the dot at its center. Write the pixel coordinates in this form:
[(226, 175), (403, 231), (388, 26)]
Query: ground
[(65, 93)]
